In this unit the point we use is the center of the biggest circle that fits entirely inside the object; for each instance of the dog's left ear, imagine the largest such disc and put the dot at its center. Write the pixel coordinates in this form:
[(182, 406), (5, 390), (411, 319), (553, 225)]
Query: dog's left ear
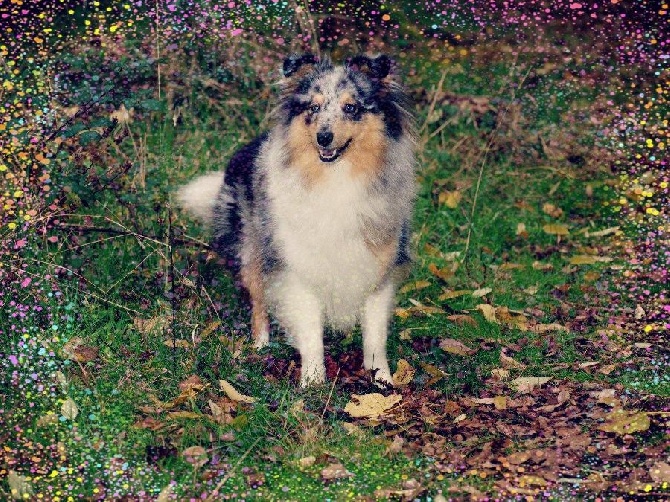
[(378, 67), (295, 61)]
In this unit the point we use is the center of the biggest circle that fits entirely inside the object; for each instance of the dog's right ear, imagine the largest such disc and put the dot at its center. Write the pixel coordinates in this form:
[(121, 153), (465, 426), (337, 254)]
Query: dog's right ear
[(295, 62)]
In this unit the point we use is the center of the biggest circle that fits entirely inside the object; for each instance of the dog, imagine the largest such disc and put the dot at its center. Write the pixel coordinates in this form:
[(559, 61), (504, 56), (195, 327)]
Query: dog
[(315, 214)]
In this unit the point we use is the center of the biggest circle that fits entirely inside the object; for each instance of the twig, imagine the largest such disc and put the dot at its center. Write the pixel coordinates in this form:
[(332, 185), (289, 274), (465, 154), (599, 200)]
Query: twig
[(433, 102), (330, 394), (230, 473)]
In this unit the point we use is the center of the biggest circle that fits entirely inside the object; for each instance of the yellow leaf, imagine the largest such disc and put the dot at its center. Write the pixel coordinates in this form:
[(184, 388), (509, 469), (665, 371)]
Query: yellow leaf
[(478, 293), (582, 259), (443, 273), (556, 229), (500, 402), (521, 230), (69, 409), (526, 385), (413, 286), (371, 405), (404, 373), (234, 394), (624, 422), (449, 294), (489, 312), (450, 199), (508, 362), (455, 347)]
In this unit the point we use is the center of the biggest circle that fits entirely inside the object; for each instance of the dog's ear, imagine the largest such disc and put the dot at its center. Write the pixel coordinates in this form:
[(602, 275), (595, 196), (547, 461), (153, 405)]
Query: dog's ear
[(295, 62), (378, 67)]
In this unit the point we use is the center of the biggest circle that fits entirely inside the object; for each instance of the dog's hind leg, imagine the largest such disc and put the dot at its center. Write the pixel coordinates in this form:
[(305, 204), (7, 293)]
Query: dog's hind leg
[(376, 319), (260, 324)]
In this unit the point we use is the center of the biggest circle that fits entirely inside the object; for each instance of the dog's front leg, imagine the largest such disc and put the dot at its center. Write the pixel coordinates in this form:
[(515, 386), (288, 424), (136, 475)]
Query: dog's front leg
[(376, 319), (301, 313)]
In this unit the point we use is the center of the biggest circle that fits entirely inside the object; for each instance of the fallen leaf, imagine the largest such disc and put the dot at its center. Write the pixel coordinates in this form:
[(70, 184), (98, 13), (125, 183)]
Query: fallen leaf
[(69, 409), (455, 347), (371, 405), (478, 293), (521, 230), (404, 373), (219, 414), (602, 233), (543, 328), (500, 373), (396, 445), (192, 382), (234, 394), (526, 385), (542, 266), (556, 229), (489, 312), (177, 343), (551, 210), (587, 259), (462, 319), (173, 415), (307, 461), (443, 273), (449, 294), (147, 326), (500, 402), (335, 471), (508, 362), (19, 486), (166, 494), (414, 286), (436, 374), (122, 115), (450, 199), (624, 422), (660, 473), (195, 455)]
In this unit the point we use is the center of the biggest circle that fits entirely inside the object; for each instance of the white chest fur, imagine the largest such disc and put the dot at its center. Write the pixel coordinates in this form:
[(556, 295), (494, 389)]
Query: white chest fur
[(318, 233)]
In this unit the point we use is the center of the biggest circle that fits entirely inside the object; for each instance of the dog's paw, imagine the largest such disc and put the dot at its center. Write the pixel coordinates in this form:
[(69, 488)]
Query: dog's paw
[(312, 375), (383, 377)]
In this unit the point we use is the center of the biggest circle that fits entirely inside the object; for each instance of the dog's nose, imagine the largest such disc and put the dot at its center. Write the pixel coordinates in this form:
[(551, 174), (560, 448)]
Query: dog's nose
[(324, 138)]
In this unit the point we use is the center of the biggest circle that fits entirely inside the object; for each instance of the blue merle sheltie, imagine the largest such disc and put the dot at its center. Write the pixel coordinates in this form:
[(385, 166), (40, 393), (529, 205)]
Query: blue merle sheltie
[(316, 212)]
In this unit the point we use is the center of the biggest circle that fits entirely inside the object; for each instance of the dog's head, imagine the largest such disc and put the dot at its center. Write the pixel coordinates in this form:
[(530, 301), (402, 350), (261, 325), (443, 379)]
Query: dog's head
[(338, 112)]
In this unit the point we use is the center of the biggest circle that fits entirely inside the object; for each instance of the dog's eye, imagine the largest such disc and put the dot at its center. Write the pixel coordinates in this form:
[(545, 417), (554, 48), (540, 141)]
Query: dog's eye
[(314, 108), (350, 108)]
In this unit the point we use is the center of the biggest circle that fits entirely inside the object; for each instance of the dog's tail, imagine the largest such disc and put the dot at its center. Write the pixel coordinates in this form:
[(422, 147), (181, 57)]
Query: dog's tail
[(200, 196)]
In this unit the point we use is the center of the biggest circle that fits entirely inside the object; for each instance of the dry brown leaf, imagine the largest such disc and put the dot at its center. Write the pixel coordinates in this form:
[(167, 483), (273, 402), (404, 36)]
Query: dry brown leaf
[(500, 402), (335, 471), (556, 229), (462, 319), (371, 405), (449, 294), (455, 347), (543, 328), (526, 385), (209, 329), (489, 312), (233, 394), (173, 415), (195, 455), (148, 326), (660, 473), (414, 286), (521, 230), (192, 382), (500, 373), (69, 409), (444, 273), (508, 362), (542, 266), (122, 115), (551, 210), (404, 373), (602, 233), (436, 374), (307, 461), (178, 343), (478, 293), (19, 486), (624, 422), (450, 199)]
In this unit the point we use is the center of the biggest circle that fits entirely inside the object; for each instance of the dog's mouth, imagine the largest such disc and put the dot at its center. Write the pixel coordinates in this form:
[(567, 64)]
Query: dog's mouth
[(332, 154)]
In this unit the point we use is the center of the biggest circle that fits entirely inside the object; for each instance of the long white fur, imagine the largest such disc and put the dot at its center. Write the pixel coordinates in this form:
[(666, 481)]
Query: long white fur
[(199, 196)]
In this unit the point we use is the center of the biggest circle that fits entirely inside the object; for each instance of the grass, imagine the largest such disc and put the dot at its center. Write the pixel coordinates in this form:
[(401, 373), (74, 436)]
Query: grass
[(143, 294)]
